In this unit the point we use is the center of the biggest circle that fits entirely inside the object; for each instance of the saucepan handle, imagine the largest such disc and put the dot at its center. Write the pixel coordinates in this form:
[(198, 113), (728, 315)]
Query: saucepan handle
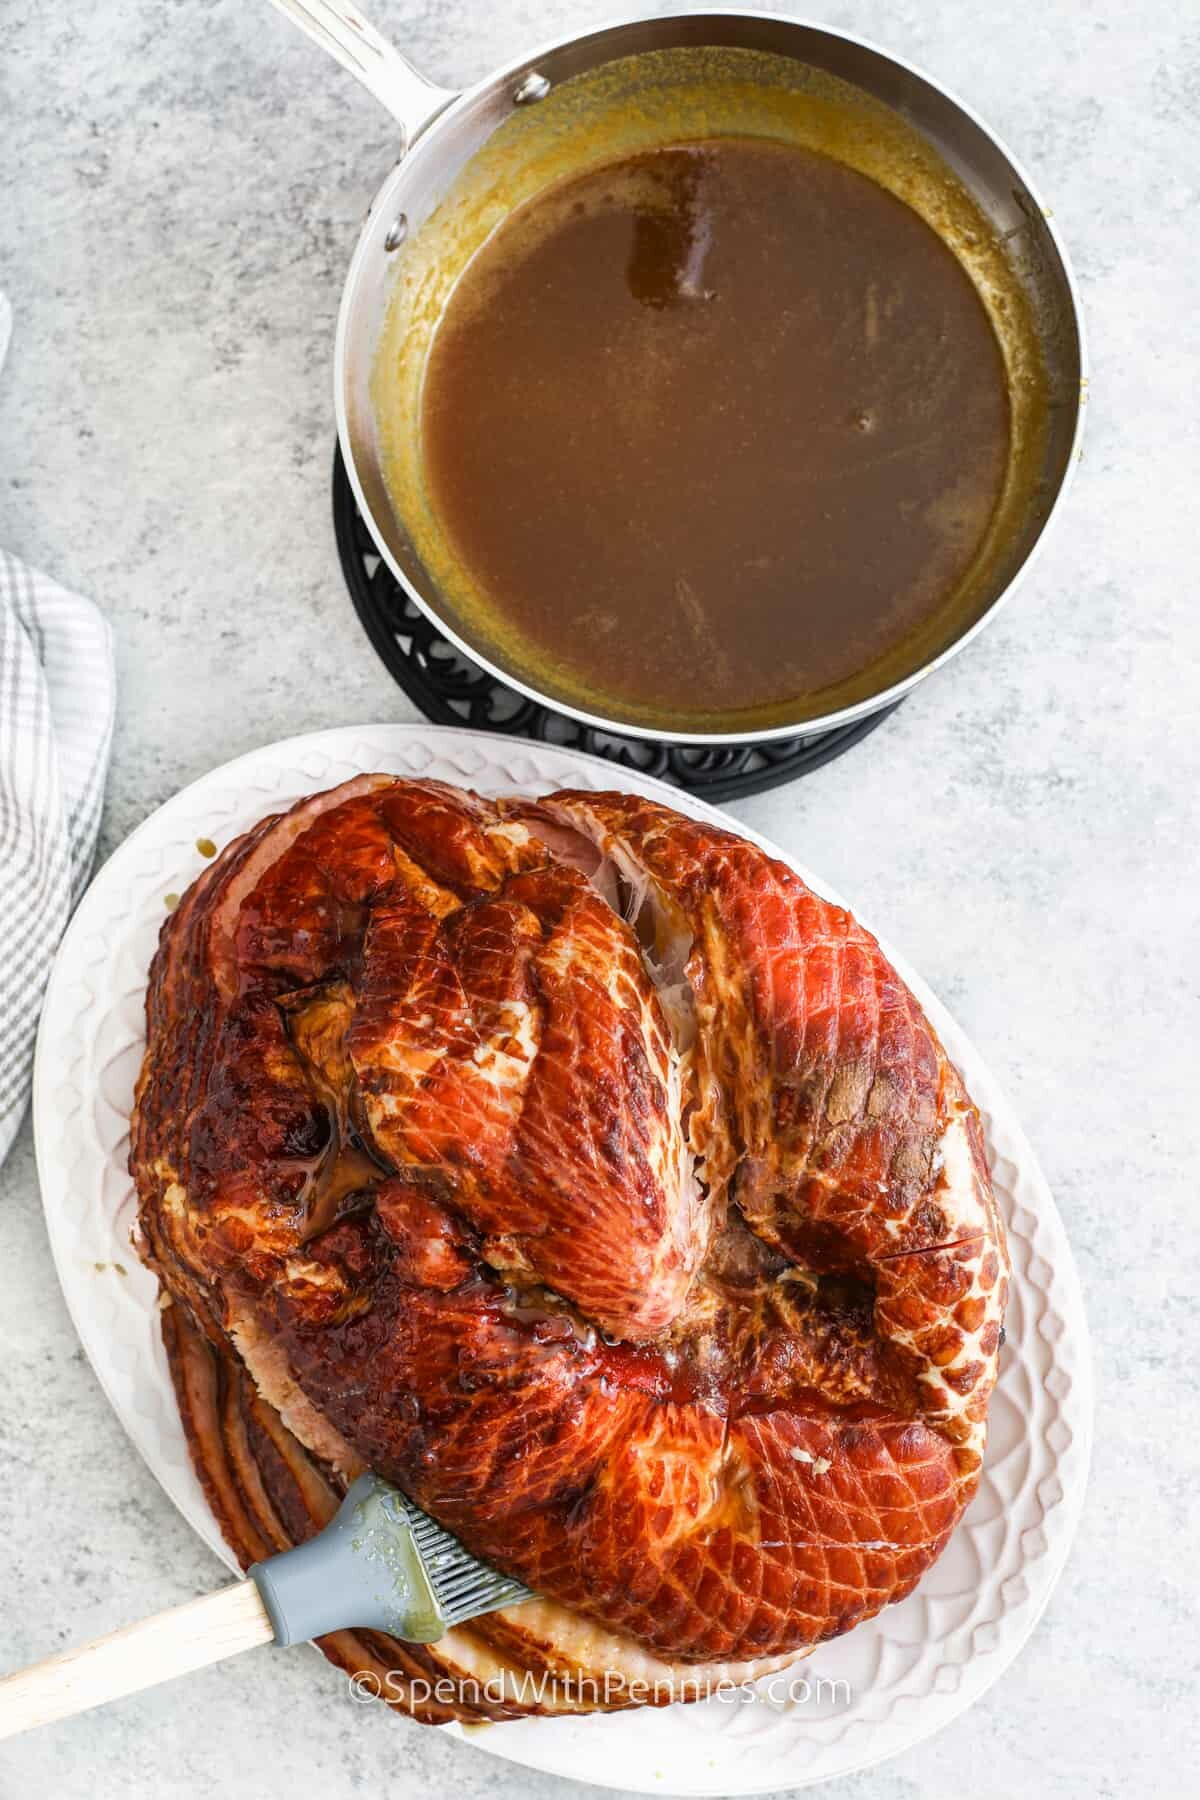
[(345, 34)]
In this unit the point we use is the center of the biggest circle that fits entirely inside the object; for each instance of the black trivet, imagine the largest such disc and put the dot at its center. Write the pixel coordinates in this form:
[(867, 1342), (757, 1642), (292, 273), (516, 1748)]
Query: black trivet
[(452, 691)]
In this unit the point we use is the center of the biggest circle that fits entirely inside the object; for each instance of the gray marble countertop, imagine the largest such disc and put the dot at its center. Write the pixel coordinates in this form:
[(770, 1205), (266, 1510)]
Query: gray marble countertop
[(182, 185)]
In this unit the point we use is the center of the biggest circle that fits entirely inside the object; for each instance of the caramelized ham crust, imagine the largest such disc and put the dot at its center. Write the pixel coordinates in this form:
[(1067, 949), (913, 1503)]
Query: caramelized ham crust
[(576, 1167)]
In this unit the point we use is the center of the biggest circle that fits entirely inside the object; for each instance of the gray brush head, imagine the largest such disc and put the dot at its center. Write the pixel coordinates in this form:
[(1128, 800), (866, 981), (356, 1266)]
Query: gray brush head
[(381, 1564), (462, 1586)]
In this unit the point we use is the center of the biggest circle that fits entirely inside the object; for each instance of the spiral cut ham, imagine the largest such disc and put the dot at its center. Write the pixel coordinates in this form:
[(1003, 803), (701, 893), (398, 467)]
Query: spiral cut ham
[(576, 1167)]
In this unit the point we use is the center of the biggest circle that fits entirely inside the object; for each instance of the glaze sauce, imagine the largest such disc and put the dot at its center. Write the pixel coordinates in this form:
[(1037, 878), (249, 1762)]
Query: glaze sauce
[(715, 427)]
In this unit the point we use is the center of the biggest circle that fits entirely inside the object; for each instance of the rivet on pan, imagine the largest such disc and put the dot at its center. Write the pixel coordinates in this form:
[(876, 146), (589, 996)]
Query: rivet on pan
[(398, 232), (533, 87)]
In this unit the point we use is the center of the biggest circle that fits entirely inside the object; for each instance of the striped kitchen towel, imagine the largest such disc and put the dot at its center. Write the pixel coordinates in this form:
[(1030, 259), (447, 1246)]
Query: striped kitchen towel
[(57, 693)]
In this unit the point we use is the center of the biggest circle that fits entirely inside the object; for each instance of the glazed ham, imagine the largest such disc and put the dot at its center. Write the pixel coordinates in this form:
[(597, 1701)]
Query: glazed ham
[(575, 1166)]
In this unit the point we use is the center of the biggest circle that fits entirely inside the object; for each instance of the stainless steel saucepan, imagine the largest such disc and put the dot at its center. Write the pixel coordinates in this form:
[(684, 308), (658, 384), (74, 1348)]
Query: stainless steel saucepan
[(467, 159)]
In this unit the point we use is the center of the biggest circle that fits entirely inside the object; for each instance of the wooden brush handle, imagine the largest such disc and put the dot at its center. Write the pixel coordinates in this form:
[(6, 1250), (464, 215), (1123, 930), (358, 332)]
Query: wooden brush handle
[(138, 1656)]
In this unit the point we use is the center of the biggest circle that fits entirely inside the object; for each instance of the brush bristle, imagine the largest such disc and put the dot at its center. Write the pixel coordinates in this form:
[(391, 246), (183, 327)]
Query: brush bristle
[(464, 1586)]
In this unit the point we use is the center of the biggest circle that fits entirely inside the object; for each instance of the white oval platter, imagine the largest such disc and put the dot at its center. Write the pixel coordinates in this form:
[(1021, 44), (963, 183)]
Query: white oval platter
[(865, 1697)]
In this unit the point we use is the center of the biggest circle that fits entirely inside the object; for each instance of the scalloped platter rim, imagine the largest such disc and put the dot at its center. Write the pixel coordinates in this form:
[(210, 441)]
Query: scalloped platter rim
[(908, 1672)]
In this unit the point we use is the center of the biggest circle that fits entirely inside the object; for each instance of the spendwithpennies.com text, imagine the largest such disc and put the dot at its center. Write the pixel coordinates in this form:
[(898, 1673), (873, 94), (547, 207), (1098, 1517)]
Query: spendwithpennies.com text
[(785, 1689)]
